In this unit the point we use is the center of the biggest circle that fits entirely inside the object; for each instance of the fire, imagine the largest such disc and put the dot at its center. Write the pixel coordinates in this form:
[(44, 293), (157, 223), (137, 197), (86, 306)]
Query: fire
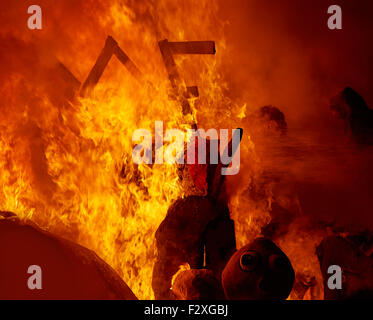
[(182, 268), (68, 166)]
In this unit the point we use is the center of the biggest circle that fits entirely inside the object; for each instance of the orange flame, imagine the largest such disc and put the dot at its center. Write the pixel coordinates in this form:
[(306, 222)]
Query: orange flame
[(68, 167)]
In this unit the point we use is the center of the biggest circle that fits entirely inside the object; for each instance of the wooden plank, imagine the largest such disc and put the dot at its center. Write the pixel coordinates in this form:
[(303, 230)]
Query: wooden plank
[(192, 91), (99, 67), (169, 62), (127, 62), (174, 76), (192, 47), (111, 48)]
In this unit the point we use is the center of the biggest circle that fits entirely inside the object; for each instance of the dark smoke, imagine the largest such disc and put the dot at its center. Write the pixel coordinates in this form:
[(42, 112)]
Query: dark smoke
[(282, 53)]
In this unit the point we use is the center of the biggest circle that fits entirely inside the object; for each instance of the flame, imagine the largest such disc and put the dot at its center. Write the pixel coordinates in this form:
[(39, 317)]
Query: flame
[(68, 167), (183, 267)]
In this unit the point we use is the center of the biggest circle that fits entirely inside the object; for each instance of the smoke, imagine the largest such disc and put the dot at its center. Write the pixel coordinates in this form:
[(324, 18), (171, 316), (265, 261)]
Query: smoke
[(282, 53)]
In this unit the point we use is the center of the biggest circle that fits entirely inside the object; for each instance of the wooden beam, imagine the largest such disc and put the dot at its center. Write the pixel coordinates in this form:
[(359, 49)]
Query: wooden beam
[(192, 47), (111, 48), (99, 67), (127, 62)]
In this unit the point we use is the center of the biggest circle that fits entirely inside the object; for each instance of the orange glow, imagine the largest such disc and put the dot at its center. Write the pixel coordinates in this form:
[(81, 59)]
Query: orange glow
[(68, 167)]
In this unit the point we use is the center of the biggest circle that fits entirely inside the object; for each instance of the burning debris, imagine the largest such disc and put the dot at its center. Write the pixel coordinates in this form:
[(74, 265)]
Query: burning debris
[(111, 48), (197, 229), (168, 49), (258, 271)]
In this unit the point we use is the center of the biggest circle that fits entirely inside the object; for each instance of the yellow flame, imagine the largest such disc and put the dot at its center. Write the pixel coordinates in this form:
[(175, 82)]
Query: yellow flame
[(182, 268), (69, 167)]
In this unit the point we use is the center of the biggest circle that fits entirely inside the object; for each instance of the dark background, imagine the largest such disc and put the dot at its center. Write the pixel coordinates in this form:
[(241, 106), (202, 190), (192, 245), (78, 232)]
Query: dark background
[(286, 54)]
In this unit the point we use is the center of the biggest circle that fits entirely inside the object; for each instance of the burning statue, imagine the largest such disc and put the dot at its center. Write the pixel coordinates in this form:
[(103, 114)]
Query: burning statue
[(199, 232)]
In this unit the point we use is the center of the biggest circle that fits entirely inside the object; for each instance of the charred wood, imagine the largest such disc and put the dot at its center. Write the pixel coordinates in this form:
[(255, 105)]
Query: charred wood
[(111, 48)]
